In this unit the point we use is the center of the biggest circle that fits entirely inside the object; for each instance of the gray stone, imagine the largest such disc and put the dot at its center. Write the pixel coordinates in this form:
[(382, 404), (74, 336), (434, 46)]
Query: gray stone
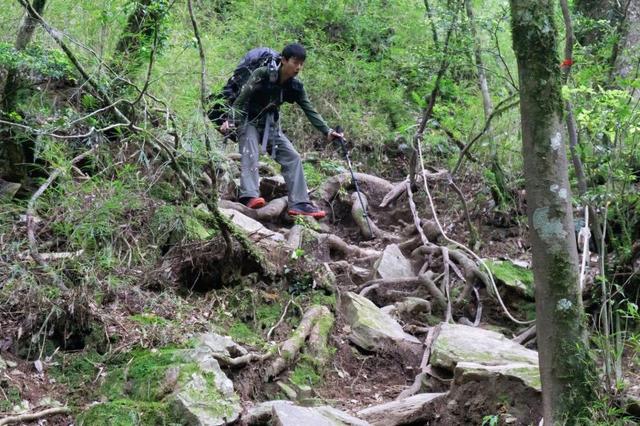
[(460, 343), (526, 372), (475, 352), (8, 189), (371, 328), (393, 264), (221, 345), (207, 397), (341, 416), (3, 364), (409, 410), (293, 415), (197, 404), (251, 226)]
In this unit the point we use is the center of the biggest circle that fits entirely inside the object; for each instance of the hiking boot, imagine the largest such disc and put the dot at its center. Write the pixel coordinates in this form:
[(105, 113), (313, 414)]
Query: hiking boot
[(306, 209), (253, 202)]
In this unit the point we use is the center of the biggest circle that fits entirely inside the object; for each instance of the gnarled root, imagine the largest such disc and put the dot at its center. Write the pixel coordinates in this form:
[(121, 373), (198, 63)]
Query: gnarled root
[(373, 184), (317, 321), (268, 213)]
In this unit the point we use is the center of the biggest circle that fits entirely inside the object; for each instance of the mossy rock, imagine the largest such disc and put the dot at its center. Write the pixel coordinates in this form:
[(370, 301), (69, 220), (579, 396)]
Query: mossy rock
[(513, 276), (186, 384)]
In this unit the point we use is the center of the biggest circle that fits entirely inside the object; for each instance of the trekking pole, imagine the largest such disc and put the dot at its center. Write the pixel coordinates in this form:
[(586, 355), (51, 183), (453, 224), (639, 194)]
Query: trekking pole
[(345, 152)]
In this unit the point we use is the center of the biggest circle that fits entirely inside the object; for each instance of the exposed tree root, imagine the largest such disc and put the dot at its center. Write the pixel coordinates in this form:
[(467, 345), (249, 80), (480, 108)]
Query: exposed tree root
[(358, 212), (528, 334), (316, 316), (23, 418), (374, 185), (415, 387), (348, 250), (269, 213)]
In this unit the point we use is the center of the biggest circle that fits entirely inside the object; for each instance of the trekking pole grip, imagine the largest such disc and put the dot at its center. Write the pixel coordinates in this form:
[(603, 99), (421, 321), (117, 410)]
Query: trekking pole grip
[(343, 145)]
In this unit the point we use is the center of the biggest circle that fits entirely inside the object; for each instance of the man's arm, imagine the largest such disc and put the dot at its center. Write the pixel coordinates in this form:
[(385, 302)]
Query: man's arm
[(312, 115)]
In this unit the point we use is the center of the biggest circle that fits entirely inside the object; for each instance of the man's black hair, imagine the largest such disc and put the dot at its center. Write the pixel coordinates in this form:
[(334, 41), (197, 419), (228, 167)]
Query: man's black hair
[(294, 50)]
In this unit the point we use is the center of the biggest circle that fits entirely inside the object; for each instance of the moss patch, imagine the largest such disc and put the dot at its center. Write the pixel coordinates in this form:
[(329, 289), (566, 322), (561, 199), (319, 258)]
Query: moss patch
[(125, 412), (513, 276), (305, 373)]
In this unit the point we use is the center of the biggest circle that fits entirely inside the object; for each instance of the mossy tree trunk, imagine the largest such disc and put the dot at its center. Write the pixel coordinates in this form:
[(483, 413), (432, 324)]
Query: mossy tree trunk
[(565, 364), (138, 35), (11, 149)]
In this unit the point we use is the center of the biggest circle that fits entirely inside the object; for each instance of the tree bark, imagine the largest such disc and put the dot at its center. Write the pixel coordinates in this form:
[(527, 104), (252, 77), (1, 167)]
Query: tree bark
[(12, 151), (565, 365), (142, 24)]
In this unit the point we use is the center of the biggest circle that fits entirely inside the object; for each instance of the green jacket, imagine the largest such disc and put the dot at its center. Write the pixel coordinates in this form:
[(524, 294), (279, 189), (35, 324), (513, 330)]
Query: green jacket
[(258, 97)]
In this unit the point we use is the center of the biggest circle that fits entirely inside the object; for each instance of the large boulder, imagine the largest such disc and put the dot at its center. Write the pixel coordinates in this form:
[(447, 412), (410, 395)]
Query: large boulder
[(166, 386), (506, 372), (460, 343), (371, 328)]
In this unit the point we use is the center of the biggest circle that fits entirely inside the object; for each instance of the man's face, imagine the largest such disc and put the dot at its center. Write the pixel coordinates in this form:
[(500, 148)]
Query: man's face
[(291, 67)]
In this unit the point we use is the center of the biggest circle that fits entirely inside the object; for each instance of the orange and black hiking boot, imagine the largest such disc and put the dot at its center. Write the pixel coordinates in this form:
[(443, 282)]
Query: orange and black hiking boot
[(306, 209)]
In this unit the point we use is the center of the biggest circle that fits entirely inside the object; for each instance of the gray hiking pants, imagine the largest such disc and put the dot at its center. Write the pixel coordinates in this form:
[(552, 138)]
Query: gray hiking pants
[(285, 154)]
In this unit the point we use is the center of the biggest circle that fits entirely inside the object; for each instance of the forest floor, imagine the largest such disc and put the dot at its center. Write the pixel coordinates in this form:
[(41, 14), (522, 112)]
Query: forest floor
[(159, 310)]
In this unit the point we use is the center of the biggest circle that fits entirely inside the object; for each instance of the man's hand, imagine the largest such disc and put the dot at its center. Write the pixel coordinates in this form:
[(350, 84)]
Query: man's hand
[(334, 135), (227, 127)]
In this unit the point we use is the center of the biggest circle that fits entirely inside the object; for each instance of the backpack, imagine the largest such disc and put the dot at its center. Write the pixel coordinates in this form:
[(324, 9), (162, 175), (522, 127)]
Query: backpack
[(255, 58)]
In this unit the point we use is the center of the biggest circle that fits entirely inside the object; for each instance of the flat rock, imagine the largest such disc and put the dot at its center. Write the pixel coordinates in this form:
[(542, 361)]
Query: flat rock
[(526, 372), (409, 410), (221, 345), (8, 189), (293, 415), (461, 343), (251, 226), (393, 264), (477, 352), (371, 328)]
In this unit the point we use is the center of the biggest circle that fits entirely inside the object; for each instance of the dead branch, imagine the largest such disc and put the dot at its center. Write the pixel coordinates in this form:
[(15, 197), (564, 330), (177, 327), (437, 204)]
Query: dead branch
[(414, 213), (445, 282), (500, 108), (294, 237), (365, 288), (30, 213), (24, 418)]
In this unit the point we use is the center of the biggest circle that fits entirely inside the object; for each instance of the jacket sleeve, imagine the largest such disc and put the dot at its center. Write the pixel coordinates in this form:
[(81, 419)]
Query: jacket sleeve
[(239, 108), (312, 115)]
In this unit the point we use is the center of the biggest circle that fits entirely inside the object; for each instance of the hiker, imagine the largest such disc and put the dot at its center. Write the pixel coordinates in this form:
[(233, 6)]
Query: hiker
[(255, 115)]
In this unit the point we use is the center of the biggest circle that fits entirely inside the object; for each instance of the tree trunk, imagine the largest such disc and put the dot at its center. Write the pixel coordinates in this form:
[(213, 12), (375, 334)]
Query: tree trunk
[(499, 188), (565, 365), (12, 151), (142, 23)]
